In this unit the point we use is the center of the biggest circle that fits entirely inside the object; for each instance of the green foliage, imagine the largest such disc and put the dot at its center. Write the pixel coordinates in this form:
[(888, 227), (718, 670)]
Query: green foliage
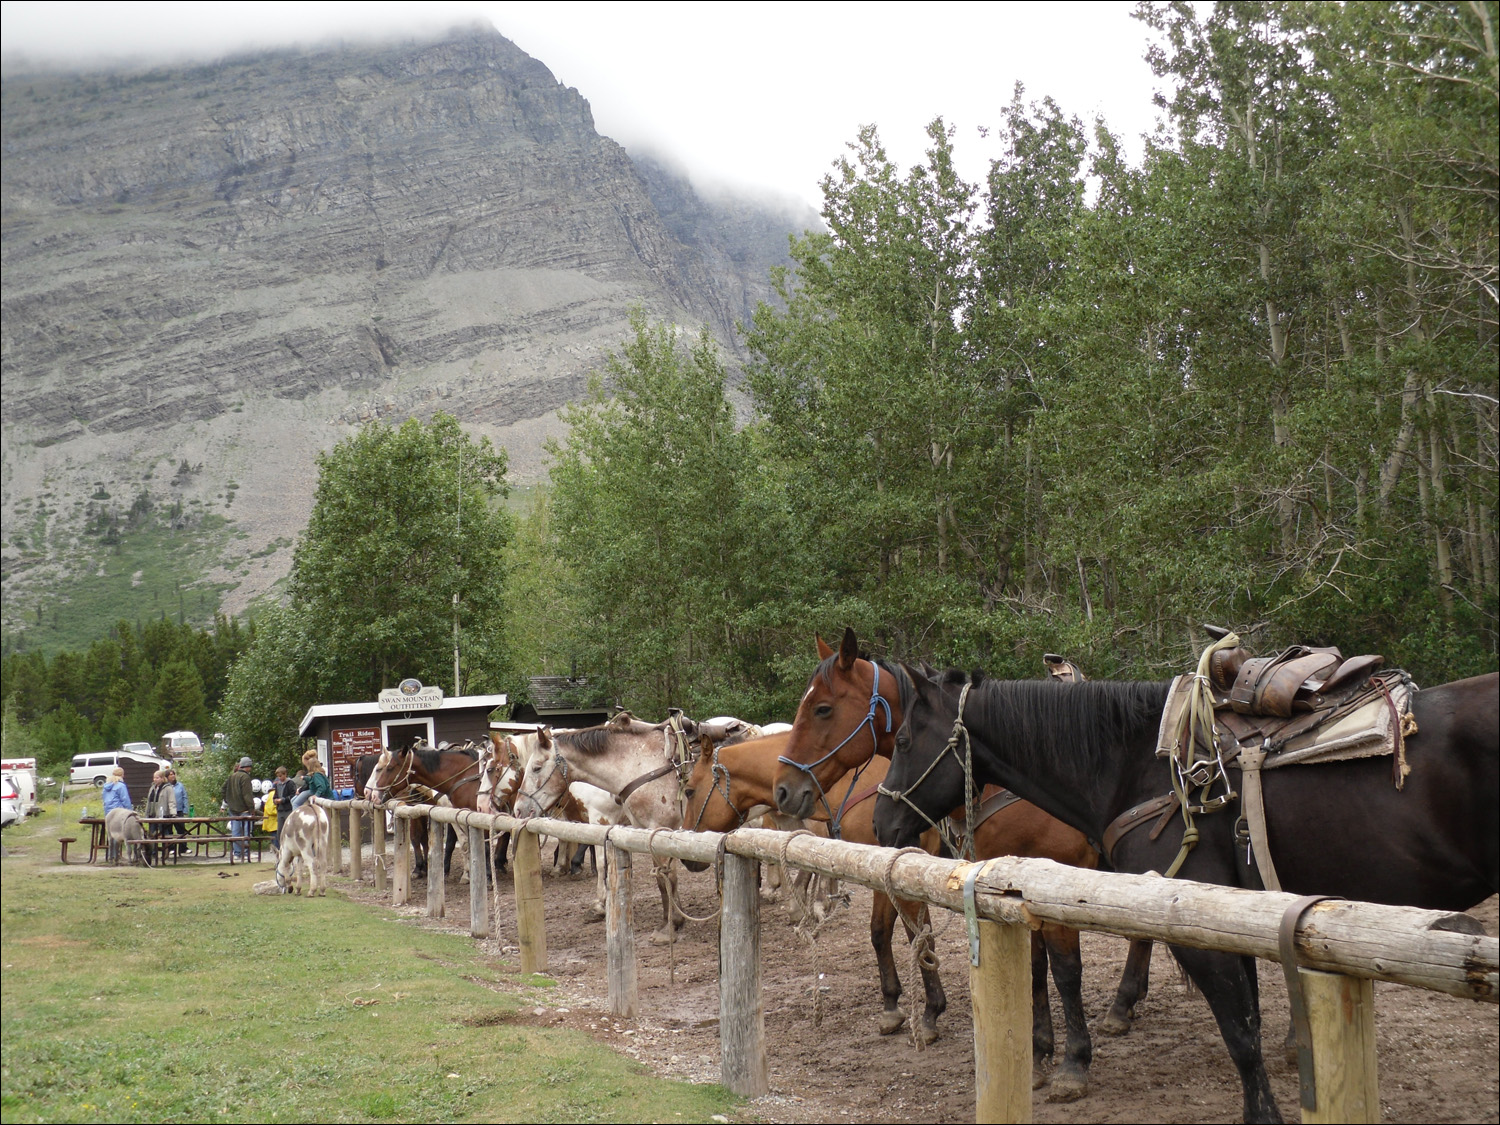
[(408, 531)]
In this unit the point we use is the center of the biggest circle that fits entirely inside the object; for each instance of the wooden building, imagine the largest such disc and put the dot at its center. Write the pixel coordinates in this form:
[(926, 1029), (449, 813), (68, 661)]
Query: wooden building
[(344, 731), (563, 702)]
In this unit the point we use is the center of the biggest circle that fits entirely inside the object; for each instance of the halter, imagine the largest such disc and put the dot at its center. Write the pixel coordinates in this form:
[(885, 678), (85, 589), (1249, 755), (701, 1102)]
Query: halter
[(404, 782), (835, 819), (960, 734), (720, 774)]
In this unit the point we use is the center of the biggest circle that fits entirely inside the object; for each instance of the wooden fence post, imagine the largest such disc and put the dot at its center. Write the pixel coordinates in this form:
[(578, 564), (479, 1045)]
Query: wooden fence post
[(335, 850), (1000, 987), (619, 934), (1341, 1012), (377, 847), (356, 846), (479, 891), (742, 1017), (437, 835), (401, 892), (531, 914)]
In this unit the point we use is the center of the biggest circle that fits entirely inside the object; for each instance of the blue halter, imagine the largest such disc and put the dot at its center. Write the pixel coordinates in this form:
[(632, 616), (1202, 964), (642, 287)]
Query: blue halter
[(835, 819)]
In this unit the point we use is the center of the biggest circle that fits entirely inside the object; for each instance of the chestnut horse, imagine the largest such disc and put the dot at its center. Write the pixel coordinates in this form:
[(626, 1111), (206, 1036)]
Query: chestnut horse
[(453, 773), (1087, 753), (847, 694), (730, 782)]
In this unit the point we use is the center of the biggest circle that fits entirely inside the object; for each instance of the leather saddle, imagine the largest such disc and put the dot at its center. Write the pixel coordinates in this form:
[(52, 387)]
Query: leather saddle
[(1298, 680), (1063, 670)]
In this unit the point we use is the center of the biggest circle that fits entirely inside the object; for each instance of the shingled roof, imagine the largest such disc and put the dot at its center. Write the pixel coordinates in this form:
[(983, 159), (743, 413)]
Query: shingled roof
[(550, 694)]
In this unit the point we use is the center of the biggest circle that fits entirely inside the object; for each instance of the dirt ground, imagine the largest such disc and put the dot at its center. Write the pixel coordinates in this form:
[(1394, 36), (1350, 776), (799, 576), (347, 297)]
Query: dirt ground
[(1439, 1057)]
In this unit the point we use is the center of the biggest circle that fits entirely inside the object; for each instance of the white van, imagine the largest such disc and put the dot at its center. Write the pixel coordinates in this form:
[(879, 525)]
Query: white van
[(181, 744), (22, 771), (95, 769)]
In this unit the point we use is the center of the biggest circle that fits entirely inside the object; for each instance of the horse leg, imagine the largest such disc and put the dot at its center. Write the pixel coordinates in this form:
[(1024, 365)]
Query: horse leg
[(1070, 1081), (1228, 983), (448, 845), (666, 883), (932, 984), (882, 925), (596, 911), (1133, 984), (1042, 1043), (502, 844)]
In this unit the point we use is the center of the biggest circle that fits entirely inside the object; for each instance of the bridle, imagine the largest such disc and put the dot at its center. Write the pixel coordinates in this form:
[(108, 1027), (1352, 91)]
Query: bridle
[(903, 796), (720, 774), (835, 819), (402, 784)]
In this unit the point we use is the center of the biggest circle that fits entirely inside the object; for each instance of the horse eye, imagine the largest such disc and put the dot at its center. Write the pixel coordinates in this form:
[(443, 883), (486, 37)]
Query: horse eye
[(903, 742), (823, 710), (688, 793)]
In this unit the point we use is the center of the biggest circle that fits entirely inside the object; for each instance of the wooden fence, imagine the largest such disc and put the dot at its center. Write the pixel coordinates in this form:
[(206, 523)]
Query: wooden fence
[(1341, 947)]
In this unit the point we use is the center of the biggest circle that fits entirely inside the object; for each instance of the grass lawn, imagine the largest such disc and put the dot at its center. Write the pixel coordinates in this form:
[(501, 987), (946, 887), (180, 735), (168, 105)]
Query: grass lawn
[(177, 995)]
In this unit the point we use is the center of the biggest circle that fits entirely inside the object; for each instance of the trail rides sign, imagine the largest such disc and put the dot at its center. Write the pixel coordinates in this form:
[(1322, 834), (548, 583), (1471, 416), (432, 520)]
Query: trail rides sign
[(408, 696), (346, 746)]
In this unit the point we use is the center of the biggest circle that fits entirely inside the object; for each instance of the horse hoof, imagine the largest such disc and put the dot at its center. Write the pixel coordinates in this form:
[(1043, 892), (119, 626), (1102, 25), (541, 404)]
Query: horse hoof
[(1068, 1086), (596, 911), (929, 1033), (1039, 1076), (892, 1022), (663, 937), (1114, 1024)]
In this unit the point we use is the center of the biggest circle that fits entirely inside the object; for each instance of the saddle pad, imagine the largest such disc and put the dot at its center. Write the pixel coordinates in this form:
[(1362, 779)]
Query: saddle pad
[(1369, 731)]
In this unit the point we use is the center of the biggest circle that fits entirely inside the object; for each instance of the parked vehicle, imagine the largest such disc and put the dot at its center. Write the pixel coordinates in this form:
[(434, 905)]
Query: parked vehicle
[(95, 769), (22, 774), (10, 802), (181, 744)]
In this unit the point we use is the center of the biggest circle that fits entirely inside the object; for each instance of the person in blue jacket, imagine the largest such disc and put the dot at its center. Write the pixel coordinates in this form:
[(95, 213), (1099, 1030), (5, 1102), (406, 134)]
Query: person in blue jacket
[(116, 796)]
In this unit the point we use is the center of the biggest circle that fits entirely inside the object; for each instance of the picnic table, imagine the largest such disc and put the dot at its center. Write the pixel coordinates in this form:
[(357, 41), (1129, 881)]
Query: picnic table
[(203, 834)]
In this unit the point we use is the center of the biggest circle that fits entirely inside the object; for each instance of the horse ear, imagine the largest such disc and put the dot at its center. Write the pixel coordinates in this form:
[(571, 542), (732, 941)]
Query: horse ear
[(544, 738), (824, 650), (848, 650), (621, 721), (976, 677)]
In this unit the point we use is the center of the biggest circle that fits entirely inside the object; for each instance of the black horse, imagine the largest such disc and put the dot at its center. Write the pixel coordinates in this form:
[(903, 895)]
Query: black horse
[(1086, 753)]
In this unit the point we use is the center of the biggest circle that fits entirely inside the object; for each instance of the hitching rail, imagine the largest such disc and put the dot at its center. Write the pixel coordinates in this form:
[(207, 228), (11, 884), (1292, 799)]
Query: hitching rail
[(1341, 946)]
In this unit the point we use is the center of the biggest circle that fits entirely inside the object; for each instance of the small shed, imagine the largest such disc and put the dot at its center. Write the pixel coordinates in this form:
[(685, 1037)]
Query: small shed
[(344, 731), (566, 702)]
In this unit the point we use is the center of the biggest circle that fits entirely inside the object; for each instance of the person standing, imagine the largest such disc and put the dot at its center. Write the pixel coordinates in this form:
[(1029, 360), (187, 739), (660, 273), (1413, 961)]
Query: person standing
[(283, 789), (161, 801), (239, 802), (116, 796), (179, 794)]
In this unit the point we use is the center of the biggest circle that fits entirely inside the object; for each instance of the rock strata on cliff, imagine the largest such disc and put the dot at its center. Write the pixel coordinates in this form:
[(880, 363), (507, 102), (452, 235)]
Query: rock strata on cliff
[(230, 264)]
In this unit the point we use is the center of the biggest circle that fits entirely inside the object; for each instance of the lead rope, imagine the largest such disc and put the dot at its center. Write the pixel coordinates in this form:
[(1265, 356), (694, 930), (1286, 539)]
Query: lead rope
[(808, 927), (923, 955), (674, 910)]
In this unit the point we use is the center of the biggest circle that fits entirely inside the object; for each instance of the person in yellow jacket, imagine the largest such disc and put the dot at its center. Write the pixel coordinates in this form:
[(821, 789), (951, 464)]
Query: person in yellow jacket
[(268, 818)]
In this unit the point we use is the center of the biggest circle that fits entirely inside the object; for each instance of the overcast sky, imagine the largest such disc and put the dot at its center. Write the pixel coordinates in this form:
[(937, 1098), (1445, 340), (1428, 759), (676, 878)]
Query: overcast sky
[(759, 95)]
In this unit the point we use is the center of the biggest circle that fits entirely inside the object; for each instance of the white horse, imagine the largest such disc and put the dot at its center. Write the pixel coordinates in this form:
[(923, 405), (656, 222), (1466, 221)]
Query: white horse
[(124, 827), (304, 851), (636, 764)]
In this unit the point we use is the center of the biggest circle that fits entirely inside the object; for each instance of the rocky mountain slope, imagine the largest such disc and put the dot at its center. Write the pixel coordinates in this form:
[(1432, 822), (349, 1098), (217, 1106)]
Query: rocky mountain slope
[(211, 272)]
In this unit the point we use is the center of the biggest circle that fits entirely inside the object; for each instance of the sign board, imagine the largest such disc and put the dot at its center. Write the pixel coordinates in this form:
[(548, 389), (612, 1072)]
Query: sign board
[(410, 695), (347, 745)]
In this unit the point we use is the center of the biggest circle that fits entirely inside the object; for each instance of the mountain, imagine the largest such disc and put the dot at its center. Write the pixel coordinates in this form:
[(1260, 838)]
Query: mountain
[(210, 273)]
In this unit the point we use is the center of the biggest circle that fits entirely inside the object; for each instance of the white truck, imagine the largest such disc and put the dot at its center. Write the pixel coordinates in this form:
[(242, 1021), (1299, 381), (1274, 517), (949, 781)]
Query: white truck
[(22, 771)]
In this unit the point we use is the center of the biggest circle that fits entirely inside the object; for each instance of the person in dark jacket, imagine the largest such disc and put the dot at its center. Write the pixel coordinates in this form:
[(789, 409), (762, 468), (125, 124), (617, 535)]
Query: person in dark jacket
[(239, 802), (283, 789)]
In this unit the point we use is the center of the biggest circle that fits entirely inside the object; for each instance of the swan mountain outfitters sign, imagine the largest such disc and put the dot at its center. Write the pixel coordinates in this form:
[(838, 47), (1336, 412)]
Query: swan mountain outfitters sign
[(409, 695)]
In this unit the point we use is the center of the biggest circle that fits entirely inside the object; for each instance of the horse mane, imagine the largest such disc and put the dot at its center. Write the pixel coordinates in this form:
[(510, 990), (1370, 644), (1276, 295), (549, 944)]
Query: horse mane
[(824, 672), (1075, 729), (590, 741)]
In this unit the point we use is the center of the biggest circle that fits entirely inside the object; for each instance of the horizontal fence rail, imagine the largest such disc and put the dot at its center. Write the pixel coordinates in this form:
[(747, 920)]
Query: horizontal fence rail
[(1340, 946)]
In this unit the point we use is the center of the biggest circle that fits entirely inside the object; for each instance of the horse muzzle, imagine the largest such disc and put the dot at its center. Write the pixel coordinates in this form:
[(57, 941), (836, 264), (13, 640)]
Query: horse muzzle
[(795, 795)]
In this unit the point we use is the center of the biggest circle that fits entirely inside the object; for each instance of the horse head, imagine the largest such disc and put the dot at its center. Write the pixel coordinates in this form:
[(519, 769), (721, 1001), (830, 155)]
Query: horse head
[(848, 714), (926, 776), (391, 776)]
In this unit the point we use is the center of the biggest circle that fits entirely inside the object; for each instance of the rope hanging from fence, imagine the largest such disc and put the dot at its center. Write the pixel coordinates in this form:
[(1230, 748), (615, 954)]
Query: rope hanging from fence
[(923, 954)]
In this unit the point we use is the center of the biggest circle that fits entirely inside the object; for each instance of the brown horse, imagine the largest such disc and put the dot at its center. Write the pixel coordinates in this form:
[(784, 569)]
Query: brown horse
[(453, 773), (730, 782), (846, 724)]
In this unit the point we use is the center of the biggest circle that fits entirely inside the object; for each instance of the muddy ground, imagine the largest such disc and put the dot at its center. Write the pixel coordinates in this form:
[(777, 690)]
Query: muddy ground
[(1439, 1057)]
